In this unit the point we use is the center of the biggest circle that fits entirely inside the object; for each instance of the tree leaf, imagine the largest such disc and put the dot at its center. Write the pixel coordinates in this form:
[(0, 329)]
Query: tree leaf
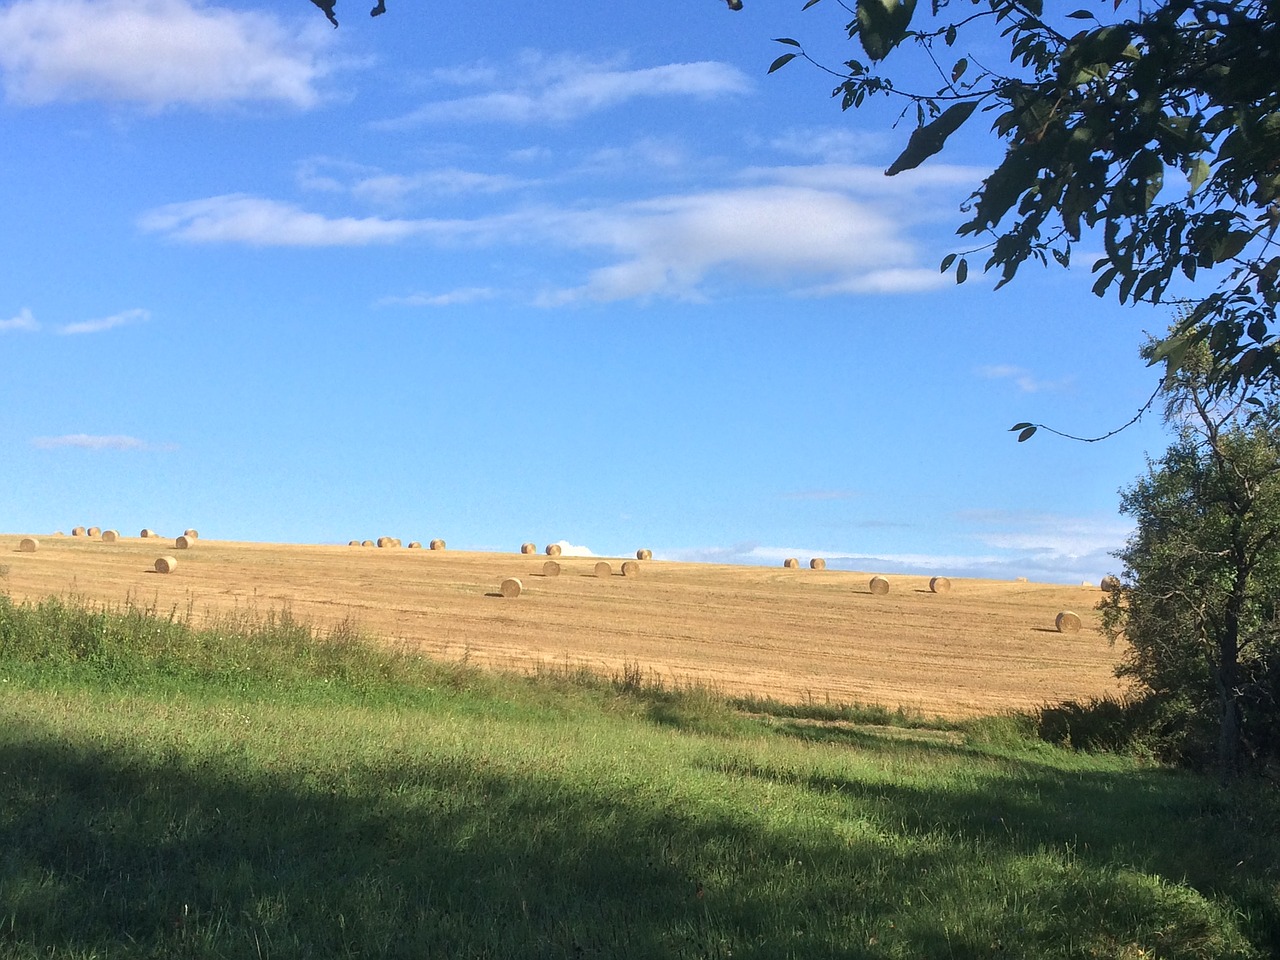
[(882, 25), (958, 70), (947, 261), (927, 140), (962, 270), (1026, 434), (1019, 426), (787, 40), (782, 61)]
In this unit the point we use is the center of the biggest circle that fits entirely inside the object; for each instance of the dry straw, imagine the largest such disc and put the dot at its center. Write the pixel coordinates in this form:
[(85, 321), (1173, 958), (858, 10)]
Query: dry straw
[(511, 587), (817, 563), (29, 545), (415, 545), (183, 542), (791, 563), (94, 531), (77, 531), (553, 549), (879, 586), (366, 543), (603, 569), (110, 536), (1110, 582), (1067, 622), (192, 534), (385, 542), (643, 554), (630, 568), (551, 569), (939, 585), (528, 547), (437, 544), (353, 543), (147, 532), (166, 564)]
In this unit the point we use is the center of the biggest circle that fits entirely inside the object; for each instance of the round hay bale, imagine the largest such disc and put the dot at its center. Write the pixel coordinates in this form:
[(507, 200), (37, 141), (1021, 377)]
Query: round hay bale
[(551, 569), (166, 564), (110, 536), (77, 531), (603, 569), (29, 545), (553, 549), (1110, 582), (437, 544), (939, 585), (630, 568), (643, 554), (528, 548), (879, 586), (353, 543), (94, 531), (791, 563), (511, 587), (58, 533), (817, 563), (146, 533), (1067, 622), (384, 541), (183, 542), (415, 545), (366, 543), (191, 534)]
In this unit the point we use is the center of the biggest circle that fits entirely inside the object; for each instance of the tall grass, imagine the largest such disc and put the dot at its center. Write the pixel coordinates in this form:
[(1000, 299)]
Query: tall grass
[(167, 791)]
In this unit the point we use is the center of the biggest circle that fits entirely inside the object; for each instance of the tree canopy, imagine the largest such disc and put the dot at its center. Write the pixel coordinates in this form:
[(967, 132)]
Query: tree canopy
[(1149, 129)]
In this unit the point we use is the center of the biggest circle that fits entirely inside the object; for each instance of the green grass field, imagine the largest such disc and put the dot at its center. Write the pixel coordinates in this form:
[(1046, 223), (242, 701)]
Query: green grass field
[(256, 789)]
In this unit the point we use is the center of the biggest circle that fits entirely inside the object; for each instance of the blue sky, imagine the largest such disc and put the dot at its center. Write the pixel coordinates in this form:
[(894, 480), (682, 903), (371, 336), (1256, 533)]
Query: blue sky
[(554, 272)]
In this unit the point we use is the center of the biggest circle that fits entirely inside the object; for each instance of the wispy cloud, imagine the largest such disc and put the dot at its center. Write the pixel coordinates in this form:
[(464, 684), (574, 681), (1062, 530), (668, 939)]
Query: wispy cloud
[(568, 549), (24, 321), (1022, 378), (451, 298), (384, 189), (122, 319), (558, 89), (155, 53), (86, 441)]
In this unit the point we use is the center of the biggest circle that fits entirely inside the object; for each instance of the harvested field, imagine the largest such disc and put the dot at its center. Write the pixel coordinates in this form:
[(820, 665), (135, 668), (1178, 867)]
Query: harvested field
[(984, 646)]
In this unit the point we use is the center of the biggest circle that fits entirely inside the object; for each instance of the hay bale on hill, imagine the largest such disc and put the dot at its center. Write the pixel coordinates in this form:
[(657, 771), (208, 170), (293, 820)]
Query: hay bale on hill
[(437, 544), (353, 543), (791, 563), (366, 543), (551, 569), (630, 568), (817, 563), (1110, 582), (183, 542), (28, 545), (603, 569), (879, 586), (415, 545), (166, 564), (643, 554), (77, 531), (146, 533), (191, 534), (94, 531), (110, 536), (511, 587), (528, 547), (939, 585), (553, 549), (384, 541), (1067, 622)]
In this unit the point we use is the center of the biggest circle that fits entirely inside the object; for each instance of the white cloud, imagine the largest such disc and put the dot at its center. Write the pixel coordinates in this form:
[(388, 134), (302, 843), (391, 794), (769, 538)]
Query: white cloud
[(106, 323), (1022, 378), (269, 223), (378, 187), (86, 441), (23, 321), (452, 298), (155, 53), (559, 89), (568, 549)]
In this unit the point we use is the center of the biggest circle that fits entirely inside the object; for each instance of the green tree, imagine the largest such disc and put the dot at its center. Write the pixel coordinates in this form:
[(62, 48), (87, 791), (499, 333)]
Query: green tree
[(1197, 601), (1149, 129)]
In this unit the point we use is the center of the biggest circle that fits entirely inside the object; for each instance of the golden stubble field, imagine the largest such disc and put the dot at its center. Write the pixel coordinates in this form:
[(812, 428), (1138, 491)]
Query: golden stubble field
[(985, 646)]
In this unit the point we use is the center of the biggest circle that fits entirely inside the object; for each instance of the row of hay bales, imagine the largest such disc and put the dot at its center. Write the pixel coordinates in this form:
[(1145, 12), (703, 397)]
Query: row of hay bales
[(392, 542), (513, 586), (110, 536)]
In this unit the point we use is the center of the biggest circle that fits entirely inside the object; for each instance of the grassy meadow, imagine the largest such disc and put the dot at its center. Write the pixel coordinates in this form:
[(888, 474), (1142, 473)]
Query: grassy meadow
[(254, 787)]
